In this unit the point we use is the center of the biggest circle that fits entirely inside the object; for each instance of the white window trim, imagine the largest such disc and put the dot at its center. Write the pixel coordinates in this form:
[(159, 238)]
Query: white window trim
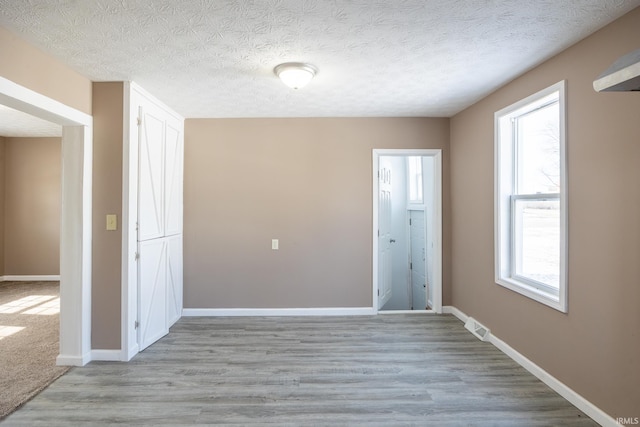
[(502, 208)]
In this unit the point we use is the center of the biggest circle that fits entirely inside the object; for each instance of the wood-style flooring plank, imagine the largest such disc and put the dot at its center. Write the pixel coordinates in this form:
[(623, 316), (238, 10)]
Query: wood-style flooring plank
[(386, 370)]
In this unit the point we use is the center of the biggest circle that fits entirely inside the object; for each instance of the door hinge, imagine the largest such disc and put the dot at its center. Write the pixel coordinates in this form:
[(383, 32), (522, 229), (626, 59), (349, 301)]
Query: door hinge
[(378, 232), (410, 266), (378, 292), (137, 256), (409, 221), (136, 324), (139, 120)]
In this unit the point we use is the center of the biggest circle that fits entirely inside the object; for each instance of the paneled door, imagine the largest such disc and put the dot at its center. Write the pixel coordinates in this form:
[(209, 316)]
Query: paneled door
[(152, 270), (418, 260), (174, 278), (152, 219), (173, 181), (159, 222), (151, 215), (384, 232), (152, 251)]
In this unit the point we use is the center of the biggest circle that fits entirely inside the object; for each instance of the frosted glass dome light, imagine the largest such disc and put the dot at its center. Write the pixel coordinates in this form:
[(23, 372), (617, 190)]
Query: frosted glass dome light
[(296, 75)]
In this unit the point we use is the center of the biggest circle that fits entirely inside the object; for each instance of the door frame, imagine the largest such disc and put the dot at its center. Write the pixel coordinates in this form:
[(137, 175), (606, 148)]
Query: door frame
[(436, 154), (380, 236), (75, 215)]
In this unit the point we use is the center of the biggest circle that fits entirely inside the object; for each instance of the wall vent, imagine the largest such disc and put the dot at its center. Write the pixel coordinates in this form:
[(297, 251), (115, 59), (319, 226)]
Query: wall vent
[(479, 330)]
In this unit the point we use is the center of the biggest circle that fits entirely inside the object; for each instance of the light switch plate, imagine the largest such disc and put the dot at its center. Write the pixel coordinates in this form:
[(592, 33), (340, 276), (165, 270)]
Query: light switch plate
[(274, 244), (112, 222)]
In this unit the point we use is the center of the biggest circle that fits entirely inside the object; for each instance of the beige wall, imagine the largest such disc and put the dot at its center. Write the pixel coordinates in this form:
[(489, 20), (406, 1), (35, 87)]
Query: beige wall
[(42, 73), (32, 206), (306, 182), (28, 66), (594, 348), (107, 199)]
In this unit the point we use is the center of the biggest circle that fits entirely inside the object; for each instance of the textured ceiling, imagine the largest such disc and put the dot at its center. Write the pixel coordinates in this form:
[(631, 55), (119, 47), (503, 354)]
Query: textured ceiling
[(17, 124), (215, 58)]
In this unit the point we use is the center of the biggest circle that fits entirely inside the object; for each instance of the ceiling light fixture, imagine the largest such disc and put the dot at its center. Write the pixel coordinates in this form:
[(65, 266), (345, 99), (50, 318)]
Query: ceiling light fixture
[(296, 75)]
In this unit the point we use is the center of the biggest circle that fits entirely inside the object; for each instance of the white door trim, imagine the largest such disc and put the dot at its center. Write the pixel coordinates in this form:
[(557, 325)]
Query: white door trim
[(129, 291), (75, 224), (436, 154)]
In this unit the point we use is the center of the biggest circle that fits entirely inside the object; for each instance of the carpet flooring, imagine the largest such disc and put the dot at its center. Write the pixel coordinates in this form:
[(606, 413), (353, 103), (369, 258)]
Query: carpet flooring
[(29, 341)]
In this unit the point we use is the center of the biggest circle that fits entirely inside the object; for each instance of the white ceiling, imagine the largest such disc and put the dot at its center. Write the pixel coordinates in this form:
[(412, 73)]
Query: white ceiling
[(215, 58), (17, 124)]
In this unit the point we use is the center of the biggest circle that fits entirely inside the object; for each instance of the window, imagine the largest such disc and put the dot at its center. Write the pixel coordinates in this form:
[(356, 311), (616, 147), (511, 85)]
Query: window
[(415, 179), (530, 197)]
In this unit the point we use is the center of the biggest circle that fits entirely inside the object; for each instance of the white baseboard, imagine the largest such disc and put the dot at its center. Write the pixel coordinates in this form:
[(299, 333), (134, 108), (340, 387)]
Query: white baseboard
[(106, 355), (406, 312), (132, 352), (449, 309), (43, 278), (331, 311), (595, 413), (67, 360)]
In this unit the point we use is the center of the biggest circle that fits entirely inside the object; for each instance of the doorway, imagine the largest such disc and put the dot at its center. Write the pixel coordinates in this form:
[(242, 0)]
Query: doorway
[(407, 230), (75, 223)]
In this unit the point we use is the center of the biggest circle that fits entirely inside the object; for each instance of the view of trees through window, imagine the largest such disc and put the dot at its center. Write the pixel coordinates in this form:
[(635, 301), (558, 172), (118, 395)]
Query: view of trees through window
[(530, 197), (536, 203)]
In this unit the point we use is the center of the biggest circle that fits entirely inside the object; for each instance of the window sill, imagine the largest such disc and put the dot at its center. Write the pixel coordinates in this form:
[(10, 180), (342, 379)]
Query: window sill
[(535, 294)]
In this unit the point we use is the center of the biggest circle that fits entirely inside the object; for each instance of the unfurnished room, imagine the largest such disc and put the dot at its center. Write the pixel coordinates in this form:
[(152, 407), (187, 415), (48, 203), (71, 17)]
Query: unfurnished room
[(296, 212)]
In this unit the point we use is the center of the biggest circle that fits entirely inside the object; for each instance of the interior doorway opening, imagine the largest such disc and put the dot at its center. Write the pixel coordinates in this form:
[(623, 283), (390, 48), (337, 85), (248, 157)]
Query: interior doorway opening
[(407, 231), (75, 215)]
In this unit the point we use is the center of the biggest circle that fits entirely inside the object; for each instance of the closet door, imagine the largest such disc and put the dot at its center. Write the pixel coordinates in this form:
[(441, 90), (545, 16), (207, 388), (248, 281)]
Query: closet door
[(152, 271), (173, 179), (151, 181), (159, 220), (174, 278)]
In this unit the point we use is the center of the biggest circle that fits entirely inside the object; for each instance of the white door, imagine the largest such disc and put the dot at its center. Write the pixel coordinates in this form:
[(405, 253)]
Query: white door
[(418, 259), (151, 172), (384, 232), (152, 298), (173, 220), (152, 213), (174, 278), (173, 180), (159, 223)]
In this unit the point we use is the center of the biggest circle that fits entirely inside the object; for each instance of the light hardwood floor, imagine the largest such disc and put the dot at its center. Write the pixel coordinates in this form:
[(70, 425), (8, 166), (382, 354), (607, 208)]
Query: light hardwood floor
[(385, 370)]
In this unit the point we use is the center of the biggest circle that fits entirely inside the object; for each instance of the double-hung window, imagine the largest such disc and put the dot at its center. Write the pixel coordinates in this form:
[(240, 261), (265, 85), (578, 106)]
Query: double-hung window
[(530, 197), (414, 178)]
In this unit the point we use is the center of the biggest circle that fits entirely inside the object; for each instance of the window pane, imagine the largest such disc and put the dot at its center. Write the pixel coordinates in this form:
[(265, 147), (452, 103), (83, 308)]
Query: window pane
[(537, 240), (415, 179), (538, 151)]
